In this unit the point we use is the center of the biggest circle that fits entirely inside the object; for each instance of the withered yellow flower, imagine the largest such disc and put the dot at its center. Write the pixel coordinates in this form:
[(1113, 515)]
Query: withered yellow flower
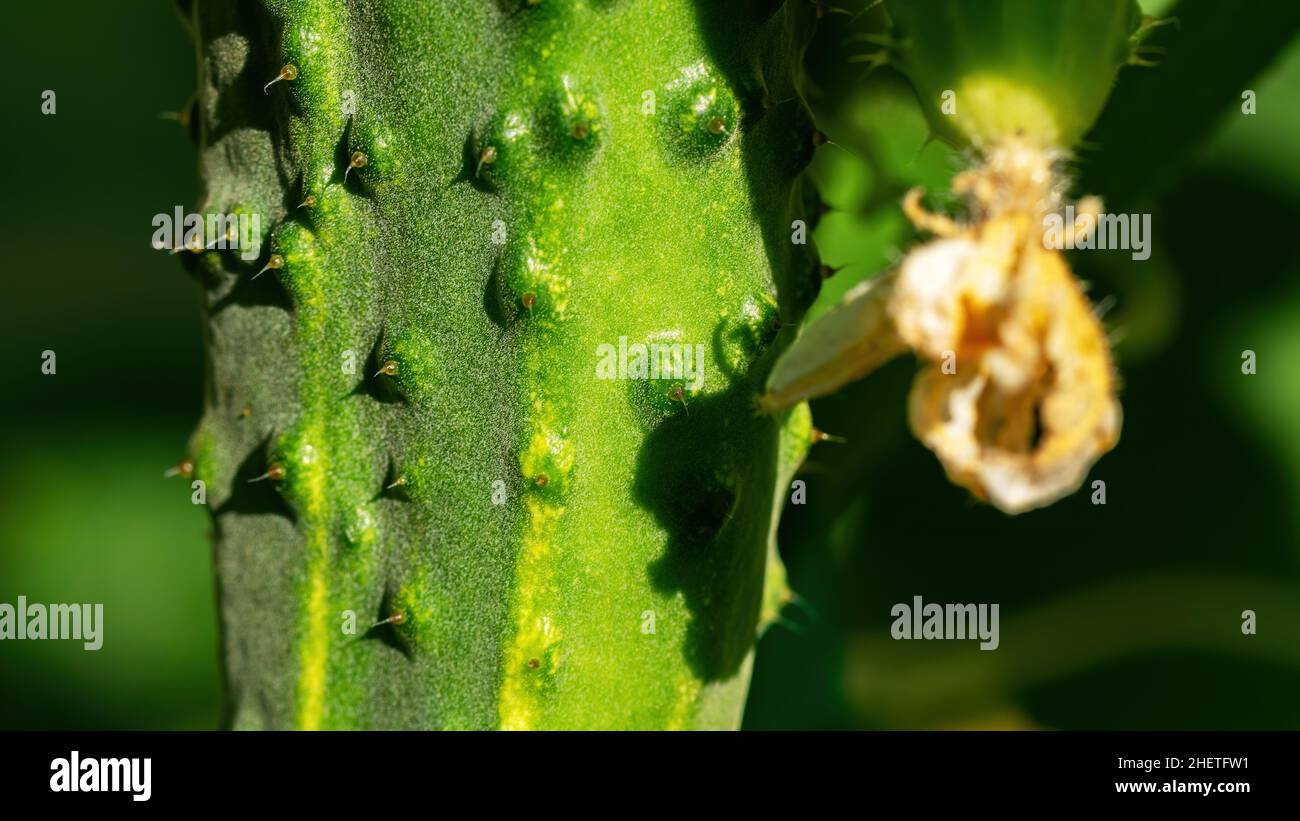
[(1017, 394)]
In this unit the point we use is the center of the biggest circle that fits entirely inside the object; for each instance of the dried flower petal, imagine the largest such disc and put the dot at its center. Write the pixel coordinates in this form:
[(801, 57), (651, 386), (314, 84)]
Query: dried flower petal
[(849, 342), (1022, 427)]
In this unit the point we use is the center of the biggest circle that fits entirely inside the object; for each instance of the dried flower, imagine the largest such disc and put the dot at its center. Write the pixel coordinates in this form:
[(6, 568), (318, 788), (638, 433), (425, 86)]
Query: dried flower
[(1017, 394)]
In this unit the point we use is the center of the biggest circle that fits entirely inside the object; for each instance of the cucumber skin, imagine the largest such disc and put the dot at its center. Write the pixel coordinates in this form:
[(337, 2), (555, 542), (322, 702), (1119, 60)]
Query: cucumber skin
[(623, 506)]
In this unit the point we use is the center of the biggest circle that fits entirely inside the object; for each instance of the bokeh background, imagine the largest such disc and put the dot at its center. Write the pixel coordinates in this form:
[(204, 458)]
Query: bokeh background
[(1126, 615)]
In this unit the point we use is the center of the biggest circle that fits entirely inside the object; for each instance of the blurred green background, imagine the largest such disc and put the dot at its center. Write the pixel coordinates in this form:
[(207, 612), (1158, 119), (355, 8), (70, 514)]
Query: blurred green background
[(1123, 615)]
